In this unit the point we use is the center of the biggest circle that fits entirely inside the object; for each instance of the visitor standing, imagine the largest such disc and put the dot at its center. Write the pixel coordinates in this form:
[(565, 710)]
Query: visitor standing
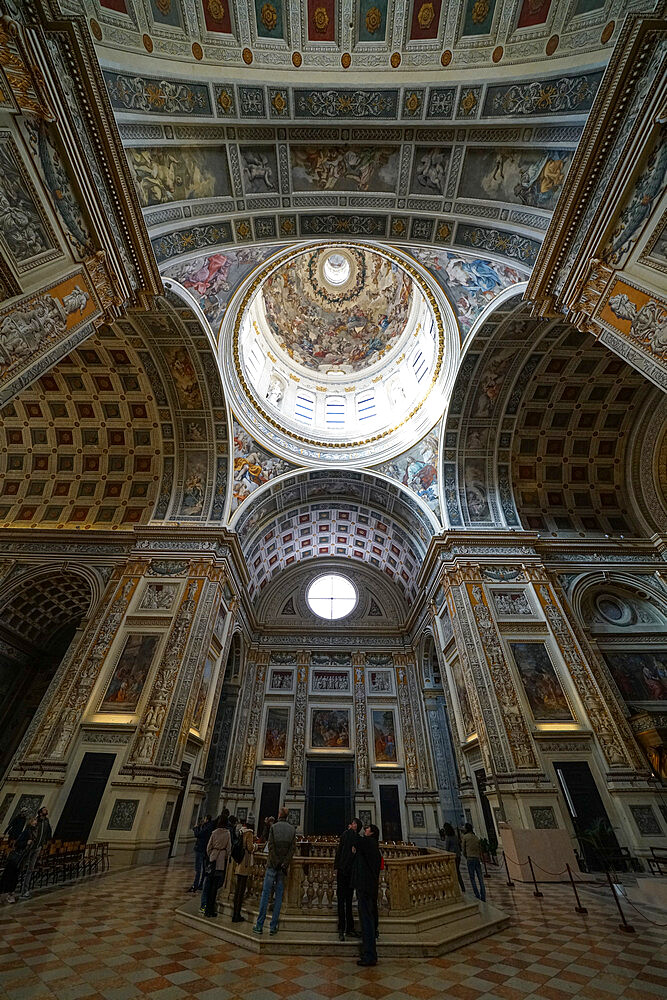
[(452, 844), (16, 825), (43, 834), (202, 832), (281, 844), (242, 856), (473, 852), (343, 863), (217, 853), (366, 880), (16, 860)]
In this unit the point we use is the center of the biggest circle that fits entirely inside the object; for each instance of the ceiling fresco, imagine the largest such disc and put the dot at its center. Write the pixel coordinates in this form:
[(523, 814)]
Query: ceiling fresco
[(366, 35), (347, 328)]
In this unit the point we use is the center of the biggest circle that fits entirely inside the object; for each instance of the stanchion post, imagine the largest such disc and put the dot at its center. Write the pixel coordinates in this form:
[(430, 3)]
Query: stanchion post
[(624, 925), (510, 883), (536, 892), (578, 908)]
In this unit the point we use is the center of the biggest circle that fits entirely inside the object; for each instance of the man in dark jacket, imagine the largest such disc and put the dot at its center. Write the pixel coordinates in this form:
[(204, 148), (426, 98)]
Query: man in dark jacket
[(43, 833), (343, 868), (282, 843), (202, 832), (366, 880), (16, 826)]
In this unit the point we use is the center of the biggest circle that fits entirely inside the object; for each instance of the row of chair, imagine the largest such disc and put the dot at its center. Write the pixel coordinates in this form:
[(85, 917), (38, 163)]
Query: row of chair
[(65, 861)]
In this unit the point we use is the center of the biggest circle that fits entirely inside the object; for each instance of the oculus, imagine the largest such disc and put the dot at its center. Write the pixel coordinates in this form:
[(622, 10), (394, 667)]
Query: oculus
[(331, 596)]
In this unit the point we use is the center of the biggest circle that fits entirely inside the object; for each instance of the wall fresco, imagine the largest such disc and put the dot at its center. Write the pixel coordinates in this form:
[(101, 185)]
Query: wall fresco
[(260, 169), (531, 177), (417, 469), (195, 483), (638, 315), (253, 466), (344, 168), (184, 377), (178, 173), (429, 173), (646, 191), (213, 280), (22, 227), (469, 283)]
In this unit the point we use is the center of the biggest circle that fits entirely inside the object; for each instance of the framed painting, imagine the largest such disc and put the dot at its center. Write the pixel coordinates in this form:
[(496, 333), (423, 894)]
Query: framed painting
[(281, 680), (202, 694), (379, 682), (641, 675), (330, 729), (384, 736), (275, 733), (130, 673), (540, 682), (366, 817)]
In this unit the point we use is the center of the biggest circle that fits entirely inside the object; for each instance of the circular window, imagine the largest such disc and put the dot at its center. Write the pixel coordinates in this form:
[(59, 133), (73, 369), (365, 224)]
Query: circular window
[(331, 596), (336, 269)]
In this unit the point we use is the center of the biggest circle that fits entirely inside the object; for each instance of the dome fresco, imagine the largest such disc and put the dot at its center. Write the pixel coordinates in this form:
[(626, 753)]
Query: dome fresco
[(327, 326)]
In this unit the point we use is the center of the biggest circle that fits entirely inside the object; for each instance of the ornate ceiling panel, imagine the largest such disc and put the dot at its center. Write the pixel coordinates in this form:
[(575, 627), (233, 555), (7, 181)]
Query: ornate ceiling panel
[(348, 514), (82, 446), (541, 422), (378, 35)]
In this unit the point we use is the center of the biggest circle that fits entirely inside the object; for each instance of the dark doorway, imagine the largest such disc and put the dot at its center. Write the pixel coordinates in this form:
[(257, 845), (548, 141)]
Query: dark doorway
[(269, 803), (593, 830), (185, 772), (83, 801), (390, 813), (480, 778), (329, 800)]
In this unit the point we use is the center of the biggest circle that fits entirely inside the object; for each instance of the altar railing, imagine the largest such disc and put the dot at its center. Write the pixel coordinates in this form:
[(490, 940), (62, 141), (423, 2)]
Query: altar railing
[(413, 882)]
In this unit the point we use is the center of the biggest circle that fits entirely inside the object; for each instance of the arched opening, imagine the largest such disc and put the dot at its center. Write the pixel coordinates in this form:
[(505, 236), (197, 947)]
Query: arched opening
[(38, 620)]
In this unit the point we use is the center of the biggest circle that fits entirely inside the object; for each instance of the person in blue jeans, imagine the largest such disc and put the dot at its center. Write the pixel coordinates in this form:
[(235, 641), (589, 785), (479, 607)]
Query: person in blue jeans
[(282, 843), (472, 849)]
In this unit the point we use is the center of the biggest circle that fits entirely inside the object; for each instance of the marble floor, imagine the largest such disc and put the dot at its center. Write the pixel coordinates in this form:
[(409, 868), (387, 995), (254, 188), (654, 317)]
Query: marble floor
[(115, 938)]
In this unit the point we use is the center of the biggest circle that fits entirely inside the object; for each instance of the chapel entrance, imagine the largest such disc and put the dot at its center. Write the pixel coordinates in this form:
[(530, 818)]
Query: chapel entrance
[(329, 797), (593, 830)]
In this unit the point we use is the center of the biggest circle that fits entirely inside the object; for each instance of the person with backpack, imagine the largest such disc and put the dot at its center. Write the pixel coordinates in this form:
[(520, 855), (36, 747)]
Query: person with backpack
[(202, 832), (242, 856)]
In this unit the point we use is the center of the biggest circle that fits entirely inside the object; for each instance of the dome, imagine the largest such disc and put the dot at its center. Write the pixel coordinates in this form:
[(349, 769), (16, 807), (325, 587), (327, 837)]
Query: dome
[(337, 311), (338, 353)]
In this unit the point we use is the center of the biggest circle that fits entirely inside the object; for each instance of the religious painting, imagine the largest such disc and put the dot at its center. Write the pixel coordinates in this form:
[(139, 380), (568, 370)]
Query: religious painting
[(345, 168), (532, 177), (330, 729), (275, 733), (253, 466), (260, 169), (322, 328), (281, 680), (379, 682), (476, 491), (640, 675), (184, 378), (202, 693), (469, 283), (130, 673), (194, 486), (540, 682), (418, 470), (429, 173), (163, 174), (384, 736), (213, 280), (330, 681)]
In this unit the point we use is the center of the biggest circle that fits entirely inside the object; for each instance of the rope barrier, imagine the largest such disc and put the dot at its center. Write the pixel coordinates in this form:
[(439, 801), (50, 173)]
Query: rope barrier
[(641, 914), (554, 874)]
